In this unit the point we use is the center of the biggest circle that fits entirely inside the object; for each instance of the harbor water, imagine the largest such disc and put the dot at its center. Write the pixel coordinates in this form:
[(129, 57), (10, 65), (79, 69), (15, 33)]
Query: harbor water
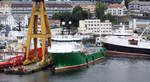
[(112, 70)]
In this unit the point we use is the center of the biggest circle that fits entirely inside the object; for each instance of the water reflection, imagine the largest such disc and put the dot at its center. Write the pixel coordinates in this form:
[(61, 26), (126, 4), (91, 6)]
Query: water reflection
[(112, 70)]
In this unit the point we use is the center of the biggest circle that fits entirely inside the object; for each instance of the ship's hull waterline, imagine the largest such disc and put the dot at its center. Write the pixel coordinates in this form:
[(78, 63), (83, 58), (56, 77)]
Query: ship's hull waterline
[(76, 60), (126, 49)]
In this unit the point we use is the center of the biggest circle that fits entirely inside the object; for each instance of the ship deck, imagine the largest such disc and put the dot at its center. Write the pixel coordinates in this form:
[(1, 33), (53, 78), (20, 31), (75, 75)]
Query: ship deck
[(90, 50), (31, 68)]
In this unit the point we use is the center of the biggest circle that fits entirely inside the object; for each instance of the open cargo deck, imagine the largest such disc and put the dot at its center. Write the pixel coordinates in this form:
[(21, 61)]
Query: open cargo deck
[(31, 68)]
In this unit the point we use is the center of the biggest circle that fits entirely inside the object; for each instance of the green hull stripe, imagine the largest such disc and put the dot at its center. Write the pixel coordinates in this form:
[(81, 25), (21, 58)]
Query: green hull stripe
[(76, 58)]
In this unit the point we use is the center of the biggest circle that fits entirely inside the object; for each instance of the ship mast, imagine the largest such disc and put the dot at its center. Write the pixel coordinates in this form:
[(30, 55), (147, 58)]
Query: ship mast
[(38, 11)]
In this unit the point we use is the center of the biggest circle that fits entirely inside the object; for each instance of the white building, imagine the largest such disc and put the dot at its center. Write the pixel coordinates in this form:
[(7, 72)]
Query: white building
[(5, 8), (116, 10), (95, 26), (13, 21), (23, 8), (138, 8), (9, 20)]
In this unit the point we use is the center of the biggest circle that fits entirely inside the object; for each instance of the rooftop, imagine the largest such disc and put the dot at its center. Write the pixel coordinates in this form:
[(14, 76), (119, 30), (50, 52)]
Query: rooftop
[(140, 2), (116, 5), (112, 1), (50, 5)]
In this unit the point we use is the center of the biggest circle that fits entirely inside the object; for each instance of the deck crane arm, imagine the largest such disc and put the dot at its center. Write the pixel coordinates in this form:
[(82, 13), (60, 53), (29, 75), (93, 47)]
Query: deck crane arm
[(143, 31)]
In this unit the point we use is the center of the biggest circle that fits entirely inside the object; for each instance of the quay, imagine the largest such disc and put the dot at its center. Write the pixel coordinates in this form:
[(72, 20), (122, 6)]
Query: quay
[(31, 68), (110, 53)]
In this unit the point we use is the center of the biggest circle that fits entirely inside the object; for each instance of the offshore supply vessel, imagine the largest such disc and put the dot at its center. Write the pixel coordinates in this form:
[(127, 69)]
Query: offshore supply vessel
[(68, 52)]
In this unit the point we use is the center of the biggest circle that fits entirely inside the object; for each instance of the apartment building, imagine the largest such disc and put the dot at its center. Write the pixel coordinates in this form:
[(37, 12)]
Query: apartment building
[(139, 8), (87, 6), (23, 8), (116, 10), (5, 8), (95, 26)]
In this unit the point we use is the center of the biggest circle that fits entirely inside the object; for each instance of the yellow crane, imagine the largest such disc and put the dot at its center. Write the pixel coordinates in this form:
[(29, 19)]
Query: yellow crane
[(38, 11)]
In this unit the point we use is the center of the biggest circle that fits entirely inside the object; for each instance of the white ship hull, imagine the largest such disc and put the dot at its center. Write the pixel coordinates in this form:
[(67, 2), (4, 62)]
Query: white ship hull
[(121, 44)]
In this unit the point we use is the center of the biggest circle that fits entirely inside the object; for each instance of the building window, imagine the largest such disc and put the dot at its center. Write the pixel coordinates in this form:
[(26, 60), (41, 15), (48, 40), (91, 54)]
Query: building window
[(119, 12), (114, 12), (109, 11), (85, 25)]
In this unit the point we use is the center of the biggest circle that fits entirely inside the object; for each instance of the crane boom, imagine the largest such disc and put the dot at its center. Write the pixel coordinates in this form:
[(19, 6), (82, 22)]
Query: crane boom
[(38, 11)]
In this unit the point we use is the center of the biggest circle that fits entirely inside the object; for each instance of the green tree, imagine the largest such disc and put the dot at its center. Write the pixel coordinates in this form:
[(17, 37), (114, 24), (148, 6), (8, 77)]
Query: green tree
[(77, 9), (56, 16), (78, 14), (100, 13), (100, 9), (110, 17), (65, 16), (1, 27), (127, 2)]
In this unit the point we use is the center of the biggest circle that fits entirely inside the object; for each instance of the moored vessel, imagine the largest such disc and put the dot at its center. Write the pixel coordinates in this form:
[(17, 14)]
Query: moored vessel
[(125, 44), (130, 44), (69, 53)]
